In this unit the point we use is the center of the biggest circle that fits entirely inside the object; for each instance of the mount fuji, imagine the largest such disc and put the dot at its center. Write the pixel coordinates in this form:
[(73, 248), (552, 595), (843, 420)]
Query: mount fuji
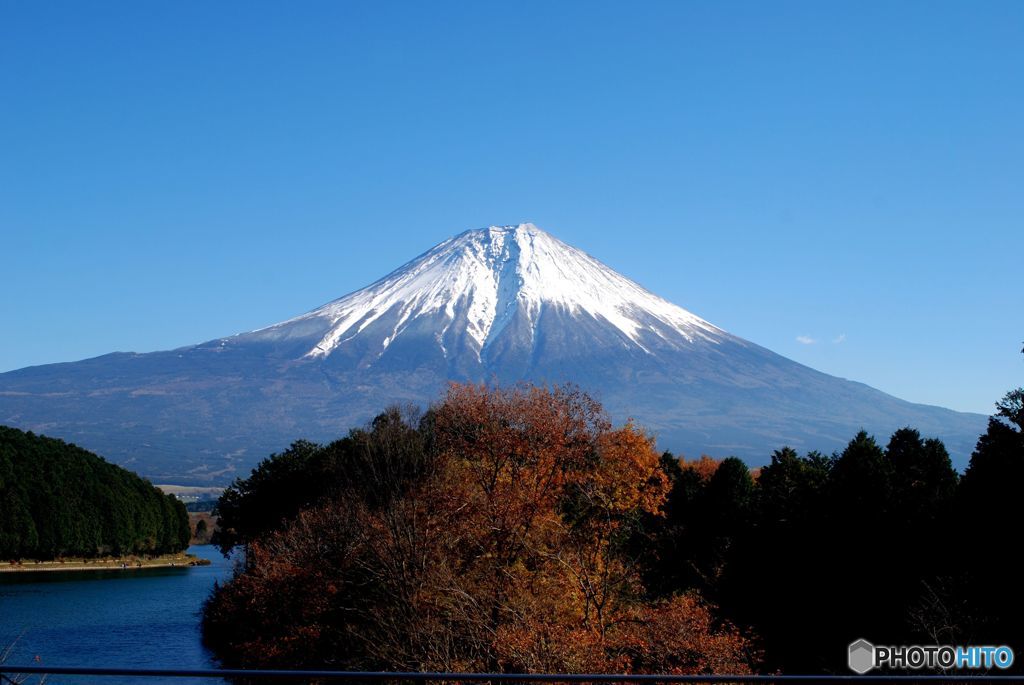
[(499, 304)]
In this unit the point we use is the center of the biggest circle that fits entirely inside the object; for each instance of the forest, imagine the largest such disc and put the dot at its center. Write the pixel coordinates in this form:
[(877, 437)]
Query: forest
[(59, 500), (514, 529)]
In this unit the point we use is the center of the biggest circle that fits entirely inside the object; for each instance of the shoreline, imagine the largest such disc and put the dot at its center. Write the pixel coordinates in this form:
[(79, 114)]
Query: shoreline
[(104, 564)]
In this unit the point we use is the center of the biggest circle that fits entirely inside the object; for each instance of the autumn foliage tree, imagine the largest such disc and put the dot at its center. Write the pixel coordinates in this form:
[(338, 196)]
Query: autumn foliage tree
[(507, 549), (517, 530)]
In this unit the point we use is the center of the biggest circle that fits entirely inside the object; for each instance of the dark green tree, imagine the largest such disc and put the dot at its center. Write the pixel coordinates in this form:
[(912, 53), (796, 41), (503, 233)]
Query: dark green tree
[(992, 519), (57, 499), (923, 480), (278, 488), (377, 461), (777, 575), (860, 486), (789, 486)]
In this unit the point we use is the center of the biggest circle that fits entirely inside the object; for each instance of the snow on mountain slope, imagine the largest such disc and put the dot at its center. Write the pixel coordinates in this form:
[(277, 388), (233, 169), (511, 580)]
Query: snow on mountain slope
[(488, 276)]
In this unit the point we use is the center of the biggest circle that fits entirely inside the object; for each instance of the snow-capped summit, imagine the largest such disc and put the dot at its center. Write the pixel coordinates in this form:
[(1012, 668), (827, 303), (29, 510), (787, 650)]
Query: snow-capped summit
[(484, 285)]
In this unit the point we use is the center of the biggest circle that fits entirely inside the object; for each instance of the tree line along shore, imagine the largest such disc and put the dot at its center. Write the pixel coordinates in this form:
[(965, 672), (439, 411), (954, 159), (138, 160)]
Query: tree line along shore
[(61, 502)]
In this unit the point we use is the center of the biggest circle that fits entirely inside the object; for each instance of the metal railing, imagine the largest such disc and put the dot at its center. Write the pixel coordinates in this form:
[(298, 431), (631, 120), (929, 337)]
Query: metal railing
[(7, 670)]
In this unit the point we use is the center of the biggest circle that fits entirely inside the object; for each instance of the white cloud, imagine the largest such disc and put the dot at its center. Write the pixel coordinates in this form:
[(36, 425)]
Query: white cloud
[(805, 340), (839, 339)]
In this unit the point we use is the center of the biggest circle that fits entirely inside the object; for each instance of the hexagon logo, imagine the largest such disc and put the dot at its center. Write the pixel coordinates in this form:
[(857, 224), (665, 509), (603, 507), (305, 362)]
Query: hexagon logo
[(862, 656)]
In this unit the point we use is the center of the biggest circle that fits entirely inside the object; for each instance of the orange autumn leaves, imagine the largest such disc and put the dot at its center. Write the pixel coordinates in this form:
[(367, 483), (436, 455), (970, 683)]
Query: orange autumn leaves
[(508, 553)]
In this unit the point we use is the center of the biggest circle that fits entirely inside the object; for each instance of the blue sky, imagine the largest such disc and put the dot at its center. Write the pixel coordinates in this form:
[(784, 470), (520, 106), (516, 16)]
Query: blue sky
[(847, 173)]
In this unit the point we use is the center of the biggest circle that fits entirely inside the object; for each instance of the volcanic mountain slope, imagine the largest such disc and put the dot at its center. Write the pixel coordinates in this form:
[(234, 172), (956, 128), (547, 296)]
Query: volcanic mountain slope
[(497, 304)]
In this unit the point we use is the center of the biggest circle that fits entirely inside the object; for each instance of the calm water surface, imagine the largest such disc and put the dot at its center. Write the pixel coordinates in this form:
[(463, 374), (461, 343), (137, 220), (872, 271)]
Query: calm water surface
[(146, 618)]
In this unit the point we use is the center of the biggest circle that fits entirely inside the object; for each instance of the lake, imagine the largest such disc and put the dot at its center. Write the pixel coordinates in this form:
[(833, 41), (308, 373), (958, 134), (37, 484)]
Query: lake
[(145, 618)]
